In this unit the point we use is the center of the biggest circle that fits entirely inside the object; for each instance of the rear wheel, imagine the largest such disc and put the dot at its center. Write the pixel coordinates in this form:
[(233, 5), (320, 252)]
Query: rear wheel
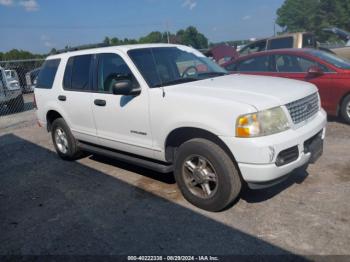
[(64, 141), (206, 175), (345, 109)]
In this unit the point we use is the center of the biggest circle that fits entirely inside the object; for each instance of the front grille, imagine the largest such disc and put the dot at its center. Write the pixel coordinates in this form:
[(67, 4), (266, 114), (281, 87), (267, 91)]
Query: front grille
[(302, 109)]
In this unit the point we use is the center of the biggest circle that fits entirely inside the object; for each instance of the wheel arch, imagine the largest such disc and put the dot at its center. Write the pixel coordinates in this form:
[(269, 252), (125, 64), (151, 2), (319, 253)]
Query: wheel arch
[(341, 102), (180, 135), (51, 116)]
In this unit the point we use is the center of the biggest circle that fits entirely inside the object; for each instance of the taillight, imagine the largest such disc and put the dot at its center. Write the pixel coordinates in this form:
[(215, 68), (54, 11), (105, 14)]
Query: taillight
[(34, 103)]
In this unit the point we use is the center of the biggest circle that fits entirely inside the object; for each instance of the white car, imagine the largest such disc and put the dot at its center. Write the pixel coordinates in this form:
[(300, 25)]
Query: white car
[(10, 91), (171, 109)]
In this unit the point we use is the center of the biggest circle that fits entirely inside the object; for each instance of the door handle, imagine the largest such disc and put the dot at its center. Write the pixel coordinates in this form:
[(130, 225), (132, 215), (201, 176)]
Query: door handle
[(100, 102), (62, 98)]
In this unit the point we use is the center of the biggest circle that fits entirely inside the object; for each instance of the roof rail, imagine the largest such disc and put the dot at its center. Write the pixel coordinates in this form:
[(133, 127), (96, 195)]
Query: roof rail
[(81, 47)]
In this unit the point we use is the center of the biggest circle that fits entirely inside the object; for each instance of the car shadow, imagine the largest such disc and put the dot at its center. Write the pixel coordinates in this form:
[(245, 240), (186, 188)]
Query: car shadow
[(164, 178), (53, 207), (255, 196)]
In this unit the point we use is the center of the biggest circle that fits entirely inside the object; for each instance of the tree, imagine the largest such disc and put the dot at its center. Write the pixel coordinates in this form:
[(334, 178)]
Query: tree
[(53, 51), (153, 37), (192, 37), (314, 15), (107, 41)]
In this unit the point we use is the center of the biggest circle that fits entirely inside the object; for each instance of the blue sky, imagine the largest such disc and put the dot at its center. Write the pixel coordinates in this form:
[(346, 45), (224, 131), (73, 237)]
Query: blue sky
[(39, 25)]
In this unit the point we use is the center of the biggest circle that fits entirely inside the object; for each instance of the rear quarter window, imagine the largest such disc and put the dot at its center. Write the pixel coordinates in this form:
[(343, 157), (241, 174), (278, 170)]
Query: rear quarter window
[(47, 74)]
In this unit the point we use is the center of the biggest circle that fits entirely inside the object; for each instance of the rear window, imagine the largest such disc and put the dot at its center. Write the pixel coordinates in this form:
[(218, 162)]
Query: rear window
[(47, 74), (285, 42), (77, 73)]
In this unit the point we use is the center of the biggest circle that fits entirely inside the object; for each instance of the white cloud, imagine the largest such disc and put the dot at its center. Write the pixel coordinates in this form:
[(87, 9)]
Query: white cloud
[(190, 4), (247, 17), (6, 2), (30, 5)]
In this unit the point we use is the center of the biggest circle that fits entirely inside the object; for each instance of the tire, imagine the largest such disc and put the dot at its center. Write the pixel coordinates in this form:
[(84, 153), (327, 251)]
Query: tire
[(345, 109), (191, 156), (17, 104), (65, 145)]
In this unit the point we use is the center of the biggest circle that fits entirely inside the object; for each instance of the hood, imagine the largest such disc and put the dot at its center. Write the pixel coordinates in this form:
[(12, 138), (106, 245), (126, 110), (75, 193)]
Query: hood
[(261, 92)]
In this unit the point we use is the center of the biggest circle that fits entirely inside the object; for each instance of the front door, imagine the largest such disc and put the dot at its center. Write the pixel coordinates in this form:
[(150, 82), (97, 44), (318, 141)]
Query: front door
[(122, 121)]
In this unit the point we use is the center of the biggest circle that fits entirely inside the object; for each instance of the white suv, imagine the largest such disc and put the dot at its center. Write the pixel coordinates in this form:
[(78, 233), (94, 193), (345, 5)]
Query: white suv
[(170, 109), (10, 91)]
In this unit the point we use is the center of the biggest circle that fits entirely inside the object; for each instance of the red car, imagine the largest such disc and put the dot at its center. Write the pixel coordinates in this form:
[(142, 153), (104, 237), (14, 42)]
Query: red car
[(331, 74)]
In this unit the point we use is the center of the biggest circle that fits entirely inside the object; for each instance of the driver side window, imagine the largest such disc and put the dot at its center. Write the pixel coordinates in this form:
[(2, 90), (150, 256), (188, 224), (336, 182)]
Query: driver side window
[(111, 69)]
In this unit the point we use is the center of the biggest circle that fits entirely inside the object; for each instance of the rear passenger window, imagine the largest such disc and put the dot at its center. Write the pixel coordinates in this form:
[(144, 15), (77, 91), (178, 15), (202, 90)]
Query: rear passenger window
[(47, 74), (77, 73)]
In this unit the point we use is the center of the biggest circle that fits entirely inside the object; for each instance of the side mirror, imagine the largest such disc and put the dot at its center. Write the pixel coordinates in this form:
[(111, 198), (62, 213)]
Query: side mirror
[(314, 71), (125, 87)]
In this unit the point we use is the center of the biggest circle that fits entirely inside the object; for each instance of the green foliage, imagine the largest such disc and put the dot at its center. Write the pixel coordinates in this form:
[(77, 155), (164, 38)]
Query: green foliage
[(16, 54), (189, 36), (192, 37), (314, 15)]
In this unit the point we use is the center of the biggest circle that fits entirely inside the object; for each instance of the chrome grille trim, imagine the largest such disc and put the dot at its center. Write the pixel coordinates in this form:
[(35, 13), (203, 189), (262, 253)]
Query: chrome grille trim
[(302, 109)]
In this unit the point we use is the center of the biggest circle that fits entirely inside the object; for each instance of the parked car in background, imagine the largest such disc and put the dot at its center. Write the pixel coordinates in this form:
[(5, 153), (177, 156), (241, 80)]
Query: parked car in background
[(344, 49), (31, 79), (10, 91), (330, 73), (11, 74), (293, 40), (222, 53)]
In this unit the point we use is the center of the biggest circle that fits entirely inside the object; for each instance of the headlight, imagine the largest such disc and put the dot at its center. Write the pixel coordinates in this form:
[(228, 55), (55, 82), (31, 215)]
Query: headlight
[(262, 123)]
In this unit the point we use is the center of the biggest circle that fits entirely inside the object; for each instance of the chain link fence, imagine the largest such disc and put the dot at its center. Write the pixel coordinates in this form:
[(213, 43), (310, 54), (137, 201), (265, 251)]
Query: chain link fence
[(17, 83)]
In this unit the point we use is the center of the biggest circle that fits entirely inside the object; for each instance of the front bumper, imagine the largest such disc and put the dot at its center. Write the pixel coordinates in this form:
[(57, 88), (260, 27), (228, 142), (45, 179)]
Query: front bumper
[(256, 157)]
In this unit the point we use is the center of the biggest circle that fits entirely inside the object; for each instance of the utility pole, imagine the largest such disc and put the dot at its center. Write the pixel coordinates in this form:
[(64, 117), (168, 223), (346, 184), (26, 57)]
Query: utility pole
[(167, 31)]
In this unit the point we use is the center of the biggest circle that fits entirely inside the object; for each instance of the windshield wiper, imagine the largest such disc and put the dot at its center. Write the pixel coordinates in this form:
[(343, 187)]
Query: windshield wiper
[(177, 81)]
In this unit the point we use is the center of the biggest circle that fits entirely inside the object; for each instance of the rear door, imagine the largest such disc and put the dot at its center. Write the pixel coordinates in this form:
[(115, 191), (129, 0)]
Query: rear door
[(76, 97)]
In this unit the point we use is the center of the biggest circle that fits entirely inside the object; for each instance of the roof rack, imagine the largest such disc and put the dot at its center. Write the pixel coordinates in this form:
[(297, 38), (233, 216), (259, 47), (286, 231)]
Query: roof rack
[(81, 47)]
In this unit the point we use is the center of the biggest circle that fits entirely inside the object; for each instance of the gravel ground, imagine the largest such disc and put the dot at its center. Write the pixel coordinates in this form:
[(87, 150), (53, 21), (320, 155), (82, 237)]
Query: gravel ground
[(99, 206)]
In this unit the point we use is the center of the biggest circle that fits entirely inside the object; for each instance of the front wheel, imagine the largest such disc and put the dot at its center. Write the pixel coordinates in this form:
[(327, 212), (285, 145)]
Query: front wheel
[(206, 175), (345, 109)]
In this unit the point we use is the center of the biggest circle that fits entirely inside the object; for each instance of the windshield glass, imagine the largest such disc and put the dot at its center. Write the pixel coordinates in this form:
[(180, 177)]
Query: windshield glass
[(332, 59), (163, 66)]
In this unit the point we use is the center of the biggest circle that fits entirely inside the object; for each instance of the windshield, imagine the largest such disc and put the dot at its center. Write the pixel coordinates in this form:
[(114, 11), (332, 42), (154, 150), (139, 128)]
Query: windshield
[(163, 66), (332, 59)]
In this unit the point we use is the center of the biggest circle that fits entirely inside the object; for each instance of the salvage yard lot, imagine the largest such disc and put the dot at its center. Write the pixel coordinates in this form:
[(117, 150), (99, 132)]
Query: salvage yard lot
[(101, 206)]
